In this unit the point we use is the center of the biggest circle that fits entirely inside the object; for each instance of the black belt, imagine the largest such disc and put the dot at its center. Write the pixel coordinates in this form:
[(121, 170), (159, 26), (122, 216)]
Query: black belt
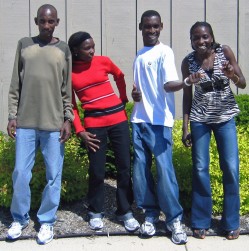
[(103, 112)]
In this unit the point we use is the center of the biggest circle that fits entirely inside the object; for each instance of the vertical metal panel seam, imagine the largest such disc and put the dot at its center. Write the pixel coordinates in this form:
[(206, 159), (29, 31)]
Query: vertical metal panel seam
[(101, 28), (171, 23), (29, 19), (66, 20), (205, 10), (136, 36), (238, 30), (237, 33)]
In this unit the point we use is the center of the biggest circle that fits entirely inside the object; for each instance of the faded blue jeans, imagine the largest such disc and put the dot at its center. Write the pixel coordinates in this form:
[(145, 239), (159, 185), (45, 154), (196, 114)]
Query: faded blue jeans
[(157, 140), (226, 139), (27, 143)]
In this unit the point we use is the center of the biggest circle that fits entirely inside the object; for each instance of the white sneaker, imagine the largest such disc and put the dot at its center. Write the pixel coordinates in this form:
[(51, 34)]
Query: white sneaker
[(96, 223), (15, 230), (131, 225), (148, 227), (179, 236), (46, 234)]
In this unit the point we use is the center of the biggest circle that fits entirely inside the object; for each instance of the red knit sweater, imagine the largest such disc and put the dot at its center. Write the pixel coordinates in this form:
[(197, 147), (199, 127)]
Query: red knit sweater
[(91, 84)]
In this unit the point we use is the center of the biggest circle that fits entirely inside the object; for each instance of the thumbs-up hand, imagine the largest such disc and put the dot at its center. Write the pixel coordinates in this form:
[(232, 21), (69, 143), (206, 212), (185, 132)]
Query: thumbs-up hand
[(136, 95)]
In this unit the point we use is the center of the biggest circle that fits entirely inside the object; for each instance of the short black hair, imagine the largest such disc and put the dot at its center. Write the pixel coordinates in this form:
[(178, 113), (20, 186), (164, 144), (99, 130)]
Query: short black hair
[(46, 6), (150, 13), (76, 39)]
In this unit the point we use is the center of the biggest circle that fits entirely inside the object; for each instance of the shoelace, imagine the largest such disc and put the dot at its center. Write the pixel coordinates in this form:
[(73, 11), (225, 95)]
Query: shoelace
[(97, 221), (148, 224), (16, 225), (177, 227), (130, 220), (44, 229)]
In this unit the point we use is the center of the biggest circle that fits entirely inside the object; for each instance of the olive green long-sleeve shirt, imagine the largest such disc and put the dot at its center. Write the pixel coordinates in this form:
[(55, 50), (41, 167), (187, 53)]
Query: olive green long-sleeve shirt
[(40, 89)]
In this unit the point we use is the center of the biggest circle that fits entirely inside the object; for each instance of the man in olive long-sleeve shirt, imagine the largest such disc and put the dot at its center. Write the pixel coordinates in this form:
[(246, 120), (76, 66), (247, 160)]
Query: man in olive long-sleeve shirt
[(40, 115)]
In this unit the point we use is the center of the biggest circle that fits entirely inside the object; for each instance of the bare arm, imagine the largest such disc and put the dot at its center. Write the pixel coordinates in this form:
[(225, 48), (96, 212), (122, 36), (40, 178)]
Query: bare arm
[(173, 86), (187, 102), (231, 68)]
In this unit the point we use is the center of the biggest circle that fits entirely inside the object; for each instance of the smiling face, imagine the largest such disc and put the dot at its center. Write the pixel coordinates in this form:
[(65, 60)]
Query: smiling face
[(86, 50), (201, 39), (151, 27), (47, 21)]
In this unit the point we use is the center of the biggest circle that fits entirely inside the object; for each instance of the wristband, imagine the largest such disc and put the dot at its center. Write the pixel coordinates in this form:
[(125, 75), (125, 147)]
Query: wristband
[(186, 83)]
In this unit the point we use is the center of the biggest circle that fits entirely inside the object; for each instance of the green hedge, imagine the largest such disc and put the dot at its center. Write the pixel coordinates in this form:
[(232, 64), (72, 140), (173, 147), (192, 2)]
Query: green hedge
[(183, 167), (74, 181), (243, 102)]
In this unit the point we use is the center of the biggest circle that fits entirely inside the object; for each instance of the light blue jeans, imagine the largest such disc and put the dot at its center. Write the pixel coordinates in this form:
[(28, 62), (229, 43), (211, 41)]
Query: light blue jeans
[(226, 139), (157, 140), (27, 143)]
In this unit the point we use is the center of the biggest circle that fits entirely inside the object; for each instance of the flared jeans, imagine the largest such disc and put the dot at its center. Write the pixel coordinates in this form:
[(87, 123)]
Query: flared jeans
[(226, 138)]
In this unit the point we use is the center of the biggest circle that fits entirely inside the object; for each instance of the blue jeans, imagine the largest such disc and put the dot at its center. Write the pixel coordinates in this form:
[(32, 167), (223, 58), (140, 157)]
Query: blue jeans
[(226, 139), (157, 140), (27, 143)]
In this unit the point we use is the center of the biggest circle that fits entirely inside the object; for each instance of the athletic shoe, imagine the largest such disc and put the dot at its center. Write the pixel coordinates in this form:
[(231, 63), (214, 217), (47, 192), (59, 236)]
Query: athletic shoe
[(148, 227), (46, 234), (131, 225), (96, 223), (178, 234), (15, 230)]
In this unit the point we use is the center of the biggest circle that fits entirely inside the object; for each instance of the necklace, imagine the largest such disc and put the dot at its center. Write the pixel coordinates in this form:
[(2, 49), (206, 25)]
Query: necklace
[(206, 63)]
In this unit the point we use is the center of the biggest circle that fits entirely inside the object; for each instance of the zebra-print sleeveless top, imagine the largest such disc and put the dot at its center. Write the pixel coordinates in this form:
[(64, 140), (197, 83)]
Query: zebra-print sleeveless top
[(213, 100)]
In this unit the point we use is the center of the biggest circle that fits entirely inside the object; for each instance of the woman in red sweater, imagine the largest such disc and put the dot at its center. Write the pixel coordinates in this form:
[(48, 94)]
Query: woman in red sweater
[(104, 117)]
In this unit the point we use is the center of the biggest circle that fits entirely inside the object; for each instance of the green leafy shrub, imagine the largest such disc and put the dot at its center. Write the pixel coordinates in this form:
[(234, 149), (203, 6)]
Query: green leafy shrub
[(243, 103), (75, 171), (183, 166), (74, 178), (7, 150), (74, 181)]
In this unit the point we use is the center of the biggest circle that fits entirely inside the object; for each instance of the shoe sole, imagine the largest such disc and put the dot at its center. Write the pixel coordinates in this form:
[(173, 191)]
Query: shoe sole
[(146, 234), (95, 228), (13, 238), (179, 243), (132, 229), (44, 242)]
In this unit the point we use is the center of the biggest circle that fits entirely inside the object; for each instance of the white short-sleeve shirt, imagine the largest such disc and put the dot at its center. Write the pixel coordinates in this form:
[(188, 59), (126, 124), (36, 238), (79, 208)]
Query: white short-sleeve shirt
[(153, 67)]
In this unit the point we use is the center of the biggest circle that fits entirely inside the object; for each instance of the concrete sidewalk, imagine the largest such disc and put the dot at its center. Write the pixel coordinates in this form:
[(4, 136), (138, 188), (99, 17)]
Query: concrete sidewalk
[(129, 243)]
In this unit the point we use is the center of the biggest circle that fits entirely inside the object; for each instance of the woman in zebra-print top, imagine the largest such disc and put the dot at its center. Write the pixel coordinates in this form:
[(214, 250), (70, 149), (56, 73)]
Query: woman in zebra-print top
[(212, 108)]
